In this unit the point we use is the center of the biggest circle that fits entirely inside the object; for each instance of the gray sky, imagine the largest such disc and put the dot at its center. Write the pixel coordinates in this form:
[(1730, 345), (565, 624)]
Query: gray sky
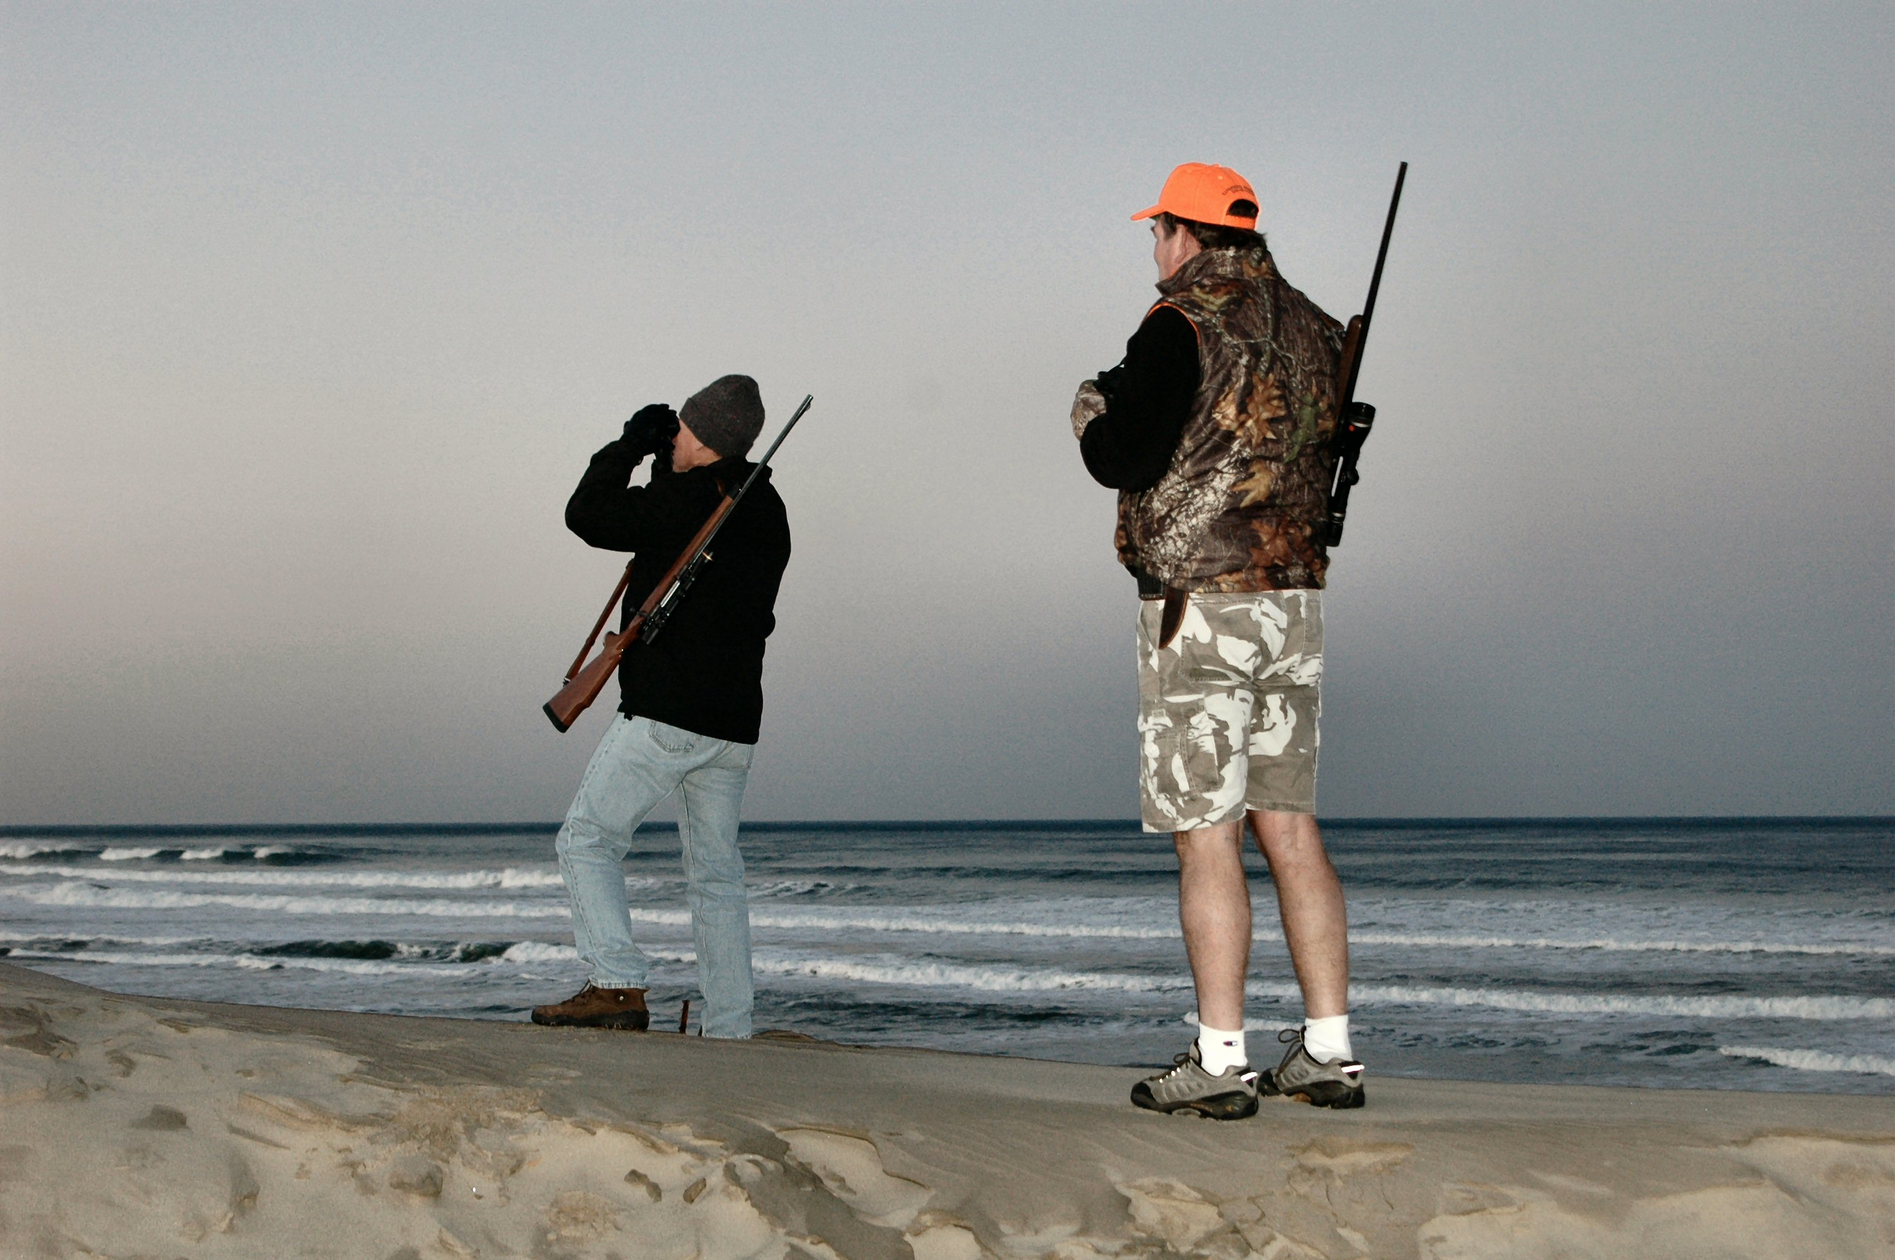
[(310, 317)]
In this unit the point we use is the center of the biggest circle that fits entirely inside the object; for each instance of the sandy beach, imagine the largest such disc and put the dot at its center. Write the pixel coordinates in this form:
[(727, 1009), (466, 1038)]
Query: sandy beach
[(146, 1127)]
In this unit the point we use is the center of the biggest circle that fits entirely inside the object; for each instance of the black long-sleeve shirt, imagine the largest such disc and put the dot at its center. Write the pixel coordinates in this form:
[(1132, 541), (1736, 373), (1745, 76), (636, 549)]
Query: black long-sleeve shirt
[(705, 671), (1148, 399)]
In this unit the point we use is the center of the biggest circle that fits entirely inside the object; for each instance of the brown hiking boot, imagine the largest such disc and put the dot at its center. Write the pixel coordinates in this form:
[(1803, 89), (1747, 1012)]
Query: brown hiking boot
[(593, 1007)]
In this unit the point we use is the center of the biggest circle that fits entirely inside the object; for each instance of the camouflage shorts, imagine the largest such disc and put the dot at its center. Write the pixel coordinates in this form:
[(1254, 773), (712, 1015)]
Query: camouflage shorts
[(1227, 714)]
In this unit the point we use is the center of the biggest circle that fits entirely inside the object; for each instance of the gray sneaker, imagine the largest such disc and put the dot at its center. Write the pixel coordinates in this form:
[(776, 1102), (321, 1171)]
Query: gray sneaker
[(1300, 1075), (1230, 1095)]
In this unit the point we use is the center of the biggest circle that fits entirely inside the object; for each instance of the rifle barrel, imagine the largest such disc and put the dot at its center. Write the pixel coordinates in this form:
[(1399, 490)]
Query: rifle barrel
[(771, 453), (1353, 367), (1381, 255), (751, 479)]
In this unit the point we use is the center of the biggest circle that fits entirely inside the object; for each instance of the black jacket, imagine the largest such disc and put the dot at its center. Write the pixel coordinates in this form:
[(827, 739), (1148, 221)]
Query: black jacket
[(705, 672), (1148, 399)]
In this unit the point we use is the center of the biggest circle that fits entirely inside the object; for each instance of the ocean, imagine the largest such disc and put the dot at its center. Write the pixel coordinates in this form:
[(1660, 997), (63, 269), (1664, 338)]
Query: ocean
[(1754, 954)]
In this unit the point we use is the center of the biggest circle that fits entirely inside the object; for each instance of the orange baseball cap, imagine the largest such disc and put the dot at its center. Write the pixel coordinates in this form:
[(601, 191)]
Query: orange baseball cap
[(1204, 194)]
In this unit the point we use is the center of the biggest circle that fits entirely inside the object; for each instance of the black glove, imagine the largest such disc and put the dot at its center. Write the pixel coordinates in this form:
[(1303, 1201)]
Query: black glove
[(1109, 382), (650, 430)]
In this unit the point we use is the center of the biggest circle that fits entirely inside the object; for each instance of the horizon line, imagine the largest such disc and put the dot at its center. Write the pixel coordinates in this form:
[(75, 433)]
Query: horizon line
[(907, 824)]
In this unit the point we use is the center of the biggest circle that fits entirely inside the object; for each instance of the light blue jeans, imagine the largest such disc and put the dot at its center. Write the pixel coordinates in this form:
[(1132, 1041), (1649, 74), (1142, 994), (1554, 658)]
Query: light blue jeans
[(638, 764)]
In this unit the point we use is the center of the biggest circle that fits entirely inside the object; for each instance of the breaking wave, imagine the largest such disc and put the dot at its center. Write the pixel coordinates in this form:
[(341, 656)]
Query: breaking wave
[(1814, 1060), (21, 850), (802, 888), (539, 952), (43, 945), (275, 854)]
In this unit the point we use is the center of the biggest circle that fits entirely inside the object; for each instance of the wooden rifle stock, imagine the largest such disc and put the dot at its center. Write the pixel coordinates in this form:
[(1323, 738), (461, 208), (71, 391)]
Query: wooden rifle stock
[(583, 684), (585, 681), (1351, 361)]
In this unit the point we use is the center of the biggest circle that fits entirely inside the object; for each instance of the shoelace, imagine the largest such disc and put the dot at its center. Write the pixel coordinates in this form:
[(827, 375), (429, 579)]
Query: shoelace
[(1289, 1036), (1181, 1061), (1178, 1064)]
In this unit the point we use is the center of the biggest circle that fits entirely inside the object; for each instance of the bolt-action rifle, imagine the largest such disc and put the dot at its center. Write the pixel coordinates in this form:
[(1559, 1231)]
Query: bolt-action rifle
[(1356, 418), (585, 681)]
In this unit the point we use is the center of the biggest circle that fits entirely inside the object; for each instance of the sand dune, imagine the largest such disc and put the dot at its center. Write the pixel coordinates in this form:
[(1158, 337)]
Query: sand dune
[(140, 1127)]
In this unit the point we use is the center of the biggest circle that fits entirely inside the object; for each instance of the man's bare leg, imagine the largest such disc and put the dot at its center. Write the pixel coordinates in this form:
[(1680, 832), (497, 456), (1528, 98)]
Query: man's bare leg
[(1214, 910), (1309, 898), (1214, 1078)]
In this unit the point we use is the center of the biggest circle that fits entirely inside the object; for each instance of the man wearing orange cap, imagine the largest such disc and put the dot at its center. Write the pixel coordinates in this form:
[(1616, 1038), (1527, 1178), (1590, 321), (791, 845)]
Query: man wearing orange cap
[(1215, 429)]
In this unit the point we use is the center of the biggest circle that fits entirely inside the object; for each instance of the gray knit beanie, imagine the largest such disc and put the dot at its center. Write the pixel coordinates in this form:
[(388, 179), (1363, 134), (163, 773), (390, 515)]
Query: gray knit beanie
[(726, 415)]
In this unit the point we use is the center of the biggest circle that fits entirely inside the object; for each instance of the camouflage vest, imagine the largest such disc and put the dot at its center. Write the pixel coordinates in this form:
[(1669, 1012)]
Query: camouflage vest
[(1249, 483)]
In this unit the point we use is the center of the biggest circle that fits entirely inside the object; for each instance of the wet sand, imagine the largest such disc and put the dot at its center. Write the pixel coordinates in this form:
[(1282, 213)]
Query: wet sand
[(148, 1127)]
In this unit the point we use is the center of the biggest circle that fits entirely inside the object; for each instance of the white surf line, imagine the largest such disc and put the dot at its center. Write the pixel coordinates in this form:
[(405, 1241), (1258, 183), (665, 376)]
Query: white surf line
[(1813, 1060), (254, 962), (917, 974), (1606, 944), (951, 927), (89, 894), (935, 925), (1808, 1007), (158, 899), (958, 976), (516, 878), (1039, 980), (509, 877), (1026, 979), (88, 939)]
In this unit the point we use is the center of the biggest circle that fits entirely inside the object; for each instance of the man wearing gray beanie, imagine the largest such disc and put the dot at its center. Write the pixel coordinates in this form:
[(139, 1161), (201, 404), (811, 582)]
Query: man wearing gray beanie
[(691, 701), (725, 415)]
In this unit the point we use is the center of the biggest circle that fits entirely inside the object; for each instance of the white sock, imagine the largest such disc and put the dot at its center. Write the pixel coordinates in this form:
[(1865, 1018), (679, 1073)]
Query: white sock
[(1218, 1049), (1327, 1039)]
